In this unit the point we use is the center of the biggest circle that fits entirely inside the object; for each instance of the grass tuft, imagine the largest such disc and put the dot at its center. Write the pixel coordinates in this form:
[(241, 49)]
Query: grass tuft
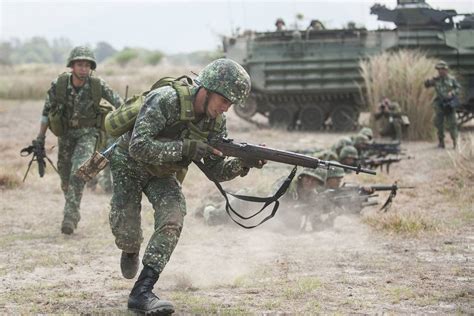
[(411, 223)]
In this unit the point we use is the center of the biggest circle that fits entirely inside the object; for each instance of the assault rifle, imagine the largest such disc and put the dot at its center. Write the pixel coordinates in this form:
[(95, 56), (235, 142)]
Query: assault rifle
[(383, 149), (256, 152), (247, 151), (39, 155), (393, 188), (374, 163)]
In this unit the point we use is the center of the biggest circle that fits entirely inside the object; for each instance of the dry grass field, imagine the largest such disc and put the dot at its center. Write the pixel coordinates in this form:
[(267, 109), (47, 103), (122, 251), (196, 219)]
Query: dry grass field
[(415, 259)]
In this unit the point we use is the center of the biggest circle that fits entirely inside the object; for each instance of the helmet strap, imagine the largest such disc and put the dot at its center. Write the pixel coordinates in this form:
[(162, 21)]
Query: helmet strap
[(206, 102)]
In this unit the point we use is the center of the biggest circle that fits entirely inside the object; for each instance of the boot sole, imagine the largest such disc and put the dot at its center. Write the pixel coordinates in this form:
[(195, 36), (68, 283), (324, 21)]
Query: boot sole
[(162, 311)]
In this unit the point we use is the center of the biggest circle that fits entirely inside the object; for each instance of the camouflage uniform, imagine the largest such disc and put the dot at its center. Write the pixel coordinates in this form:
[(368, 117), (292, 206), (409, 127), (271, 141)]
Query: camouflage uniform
[(442, 86), (144, 163), (79, 141), (391, 121)]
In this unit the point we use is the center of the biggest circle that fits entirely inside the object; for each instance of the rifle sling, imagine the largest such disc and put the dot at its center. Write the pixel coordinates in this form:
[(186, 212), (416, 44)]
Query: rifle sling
[(266, 200)]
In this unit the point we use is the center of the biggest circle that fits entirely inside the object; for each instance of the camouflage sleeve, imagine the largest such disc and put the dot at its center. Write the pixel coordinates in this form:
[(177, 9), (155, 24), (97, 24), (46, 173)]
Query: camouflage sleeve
[(456, 87), (225, 169), (49, 100), (159, 108), (110, 95)]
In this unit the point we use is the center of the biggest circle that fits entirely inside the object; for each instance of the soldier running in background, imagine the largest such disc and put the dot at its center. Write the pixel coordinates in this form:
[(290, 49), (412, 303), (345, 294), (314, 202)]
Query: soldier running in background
[(72, 111)]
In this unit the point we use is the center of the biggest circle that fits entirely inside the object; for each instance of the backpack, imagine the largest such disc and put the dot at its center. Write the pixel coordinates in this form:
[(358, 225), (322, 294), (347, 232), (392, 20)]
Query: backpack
[(122, 120)]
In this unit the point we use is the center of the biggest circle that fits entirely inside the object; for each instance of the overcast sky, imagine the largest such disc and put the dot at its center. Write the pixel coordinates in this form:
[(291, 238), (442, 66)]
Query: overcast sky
[(177, 26)]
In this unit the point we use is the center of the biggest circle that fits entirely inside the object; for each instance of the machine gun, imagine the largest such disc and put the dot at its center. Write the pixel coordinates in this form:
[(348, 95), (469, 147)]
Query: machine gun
[(39, 155)]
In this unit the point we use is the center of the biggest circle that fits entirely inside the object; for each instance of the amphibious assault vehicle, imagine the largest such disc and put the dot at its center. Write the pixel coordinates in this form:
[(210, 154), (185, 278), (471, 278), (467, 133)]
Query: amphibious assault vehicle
[(310, 79)]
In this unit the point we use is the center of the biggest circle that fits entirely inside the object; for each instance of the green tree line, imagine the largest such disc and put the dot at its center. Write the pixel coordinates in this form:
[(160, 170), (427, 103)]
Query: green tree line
[(40, 50)]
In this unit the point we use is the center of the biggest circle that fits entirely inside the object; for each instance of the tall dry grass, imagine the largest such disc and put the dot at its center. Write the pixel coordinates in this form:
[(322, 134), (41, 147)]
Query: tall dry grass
[(463, 157), (31, 81), (400, 76)]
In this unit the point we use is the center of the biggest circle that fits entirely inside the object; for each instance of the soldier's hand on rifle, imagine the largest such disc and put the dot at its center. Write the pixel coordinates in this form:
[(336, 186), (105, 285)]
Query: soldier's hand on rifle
[(196, 149), (450, 94), (253, 163), (367, 190), (39, 141)]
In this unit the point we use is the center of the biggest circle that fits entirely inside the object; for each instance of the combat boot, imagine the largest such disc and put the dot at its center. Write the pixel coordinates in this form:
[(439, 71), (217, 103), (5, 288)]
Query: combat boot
[(143, 300), (129, 263), (441, 144), (67, 227)]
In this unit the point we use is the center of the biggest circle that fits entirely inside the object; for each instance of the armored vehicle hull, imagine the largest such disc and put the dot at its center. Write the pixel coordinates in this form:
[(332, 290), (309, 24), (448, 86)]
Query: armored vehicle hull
[(310, 80)]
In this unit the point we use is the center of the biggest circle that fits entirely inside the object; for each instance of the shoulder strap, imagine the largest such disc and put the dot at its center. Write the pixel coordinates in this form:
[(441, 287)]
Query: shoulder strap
[(61, 88), (96, 90), (266, 200)]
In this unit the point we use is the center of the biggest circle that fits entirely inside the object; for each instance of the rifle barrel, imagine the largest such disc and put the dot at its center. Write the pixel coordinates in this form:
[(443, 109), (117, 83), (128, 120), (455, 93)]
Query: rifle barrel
[(250, 151)]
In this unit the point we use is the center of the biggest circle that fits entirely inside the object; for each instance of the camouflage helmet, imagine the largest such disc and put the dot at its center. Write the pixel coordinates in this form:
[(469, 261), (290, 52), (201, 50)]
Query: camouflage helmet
[(348, 152), (360, 140), (335, 172), (227, 78), (367, 131), (442, 65), (319, 174), (82, 53)]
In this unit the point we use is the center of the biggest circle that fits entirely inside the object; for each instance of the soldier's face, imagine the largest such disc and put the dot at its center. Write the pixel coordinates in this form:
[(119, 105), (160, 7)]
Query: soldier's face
[(348, 161), (217, 104), (333, 183), (443, 72), (81, 69), (308, 183)]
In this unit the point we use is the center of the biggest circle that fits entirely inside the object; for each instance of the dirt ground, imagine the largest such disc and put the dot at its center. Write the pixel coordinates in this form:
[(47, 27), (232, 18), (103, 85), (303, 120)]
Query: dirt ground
[(415, 259)]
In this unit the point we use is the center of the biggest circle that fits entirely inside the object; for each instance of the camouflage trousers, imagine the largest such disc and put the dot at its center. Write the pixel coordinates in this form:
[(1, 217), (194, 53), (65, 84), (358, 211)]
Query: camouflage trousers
[(445, 117), (130, 181), (75, 147), (392, 129)]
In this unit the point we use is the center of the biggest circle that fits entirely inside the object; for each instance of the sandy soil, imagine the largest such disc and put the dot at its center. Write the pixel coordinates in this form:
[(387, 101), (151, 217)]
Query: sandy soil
[(359, 266)]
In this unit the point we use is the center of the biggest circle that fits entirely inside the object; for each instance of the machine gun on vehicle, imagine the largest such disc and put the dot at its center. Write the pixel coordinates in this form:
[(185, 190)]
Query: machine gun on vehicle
[(39, 155)]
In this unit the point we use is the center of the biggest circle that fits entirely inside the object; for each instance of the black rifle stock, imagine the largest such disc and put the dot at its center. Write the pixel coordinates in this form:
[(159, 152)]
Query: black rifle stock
[(249, 151)]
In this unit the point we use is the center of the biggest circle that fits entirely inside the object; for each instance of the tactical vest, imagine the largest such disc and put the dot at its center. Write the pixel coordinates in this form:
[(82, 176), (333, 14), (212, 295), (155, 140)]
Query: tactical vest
[(58, 117), (122, 120)]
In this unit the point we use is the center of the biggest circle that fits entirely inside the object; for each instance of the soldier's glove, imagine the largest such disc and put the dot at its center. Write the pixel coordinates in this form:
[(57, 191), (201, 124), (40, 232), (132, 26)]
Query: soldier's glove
[(252, 163), (429, 83), (39, 141), (196, 149)]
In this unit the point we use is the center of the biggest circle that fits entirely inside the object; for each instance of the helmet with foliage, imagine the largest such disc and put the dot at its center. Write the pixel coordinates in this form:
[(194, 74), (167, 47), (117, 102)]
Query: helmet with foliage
[(82, 53), (318, 173), (227, 78), (367, 131), (335, 172), (348, 152)]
